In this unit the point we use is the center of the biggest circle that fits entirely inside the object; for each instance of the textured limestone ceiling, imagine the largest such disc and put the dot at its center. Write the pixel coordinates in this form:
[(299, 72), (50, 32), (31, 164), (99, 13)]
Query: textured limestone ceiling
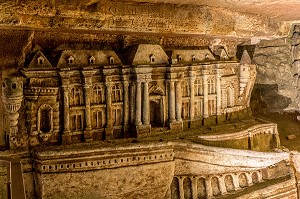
[(285, 10)]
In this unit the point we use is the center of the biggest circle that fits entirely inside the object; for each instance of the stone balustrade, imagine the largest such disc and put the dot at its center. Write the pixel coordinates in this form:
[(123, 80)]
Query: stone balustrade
[(251, 134), (209, 186)]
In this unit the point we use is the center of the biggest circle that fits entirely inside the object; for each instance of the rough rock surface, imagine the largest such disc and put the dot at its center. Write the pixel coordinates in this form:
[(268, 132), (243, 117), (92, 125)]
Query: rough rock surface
[(274, 75)]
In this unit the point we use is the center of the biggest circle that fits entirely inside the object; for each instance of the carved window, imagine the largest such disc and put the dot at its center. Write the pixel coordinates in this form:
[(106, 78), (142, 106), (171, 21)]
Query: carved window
[(116, 93), (185, 113), (98, 95), (77, 121), (13, 85), (98, 119), (198, 109), (206, 56), (117, 116), (71, 60), (152, 58), (211, 107), (111, 60), (76, 96), (179, 58), (3, 85), (198, 87), (45, 118), (193, 58), (40, 60), (185, 89), (92, 60), (211, 86)]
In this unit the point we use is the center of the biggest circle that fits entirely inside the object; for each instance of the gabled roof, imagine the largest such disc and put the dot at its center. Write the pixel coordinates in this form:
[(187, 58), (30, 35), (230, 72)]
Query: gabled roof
[(191, 55), (39, 61), (221, 52), (141, 55), (82, 58)]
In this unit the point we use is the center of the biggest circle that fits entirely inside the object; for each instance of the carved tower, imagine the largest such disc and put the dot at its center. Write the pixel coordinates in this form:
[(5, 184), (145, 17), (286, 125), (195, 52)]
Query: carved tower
[(12, 96)]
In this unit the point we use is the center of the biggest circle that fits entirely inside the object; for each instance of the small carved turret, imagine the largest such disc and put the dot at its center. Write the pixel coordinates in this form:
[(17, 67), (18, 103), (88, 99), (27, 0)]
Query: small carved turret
[(245, 73), (12, 96)]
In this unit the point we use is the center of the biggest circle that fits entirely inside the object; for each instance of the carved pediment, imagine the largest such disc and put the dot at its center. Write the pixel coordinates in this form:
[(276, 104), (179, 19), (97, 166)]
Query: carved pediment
[(39, 61), (156, 90)]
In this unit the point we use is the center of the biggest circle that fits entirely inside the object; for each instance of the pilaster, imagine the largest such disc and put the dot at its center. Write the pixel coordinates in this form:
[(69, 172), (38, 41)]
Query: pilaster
[(109, 125), (88, 77), (192, 95), (218, 90), (65, 77), (205, 93)]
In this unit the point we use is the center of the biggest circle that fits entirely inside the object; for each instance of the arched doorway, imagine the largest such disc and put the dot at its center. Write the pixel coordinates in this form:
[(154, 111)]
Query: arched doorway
[(156, 113), (156, 106)]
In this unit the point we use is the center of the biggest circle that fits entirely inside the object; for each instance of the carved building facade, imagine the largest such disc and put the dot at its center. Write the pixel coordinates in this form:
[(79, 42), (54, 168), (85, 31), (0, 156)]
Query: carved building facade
[(84, 95)]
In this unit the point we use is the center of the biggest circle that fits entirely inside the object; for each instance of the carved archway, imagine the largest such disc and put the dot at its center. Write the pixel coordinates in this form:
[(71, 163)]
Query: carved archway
[(156, 94), (45, 119)]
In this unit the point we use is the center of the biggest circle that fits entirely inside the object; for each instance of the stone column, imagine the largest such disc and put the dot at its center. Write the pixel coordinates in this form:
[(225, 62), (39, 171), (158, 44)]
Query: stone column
[(132, 103), (126, 103), (109, 125), (88, 75), (146, 113), (222, 185), (209, 193), (138, 105), (249, 179), (218, 90), (205, 93), (181, 189), (236, 184), (178, 103), (194, 187), (192, 97), (66, 137), (171, 102)]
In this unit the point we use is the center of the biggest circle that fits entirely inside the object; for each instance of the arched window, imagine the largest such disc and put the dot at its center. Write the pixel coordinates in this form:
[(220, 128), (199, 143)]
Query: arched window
[(92, 60), (77, 121), (185, 89), (111, 60), (116, 93), (193, 58), (40, 60), (71, 60), (117, 116), (179, 58), (45, 118), (76, 96), (211, 86), (98, 119), (152, 59), (98, 95), (198, 87)]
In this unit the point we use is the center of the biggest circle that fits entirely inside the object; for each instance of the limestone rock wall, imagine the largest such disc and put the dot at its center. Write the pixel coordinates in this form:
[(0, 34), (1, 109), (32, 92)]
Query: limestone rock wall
[(274, 87)]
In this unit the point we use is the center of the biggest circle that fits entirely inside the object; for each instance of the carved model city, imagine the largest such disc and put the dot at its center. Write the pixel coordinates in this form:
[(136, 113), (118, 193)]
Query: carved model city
[(80, 95)]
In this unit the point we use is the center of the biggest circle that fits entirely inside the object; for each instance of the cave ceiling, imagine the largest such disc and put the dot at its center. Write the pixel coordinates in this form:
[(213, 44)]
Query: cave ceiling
[(25, 23)]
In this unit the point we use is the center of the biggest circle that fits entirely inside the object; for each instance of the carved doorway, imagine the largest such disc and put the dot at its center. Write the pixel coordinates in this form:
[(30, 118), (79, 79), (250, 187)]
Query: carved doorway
[(156, 106), (156, 114)]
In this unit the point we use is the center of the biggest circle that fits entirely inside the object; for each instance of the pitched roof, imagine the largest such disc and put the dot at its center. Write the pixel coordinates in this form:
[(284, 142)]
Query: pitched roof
[(191, 55), (83, 58), (141, 55), (39, 61)]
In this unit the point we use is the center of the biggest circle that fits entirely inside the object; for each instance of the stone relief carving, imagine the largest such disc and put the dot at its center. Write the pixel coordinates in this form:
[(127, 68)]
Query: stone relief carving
[(85, 95)]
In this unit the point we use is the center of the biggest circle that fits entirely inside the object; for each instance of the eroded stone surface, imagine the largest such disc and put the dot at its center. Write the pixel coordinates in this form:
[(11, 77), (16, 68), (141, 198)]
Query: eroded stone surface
[(136, 17)]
